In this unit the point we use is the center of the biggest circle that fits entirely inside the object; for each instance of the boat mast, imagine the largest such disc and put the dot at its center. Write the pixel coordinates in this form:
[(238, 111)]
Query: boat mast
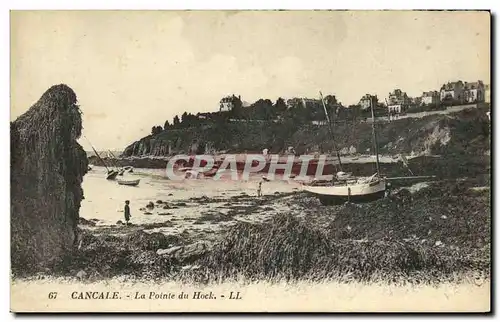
[(97, 154), (331, 130), (374, 135), (113, 157)]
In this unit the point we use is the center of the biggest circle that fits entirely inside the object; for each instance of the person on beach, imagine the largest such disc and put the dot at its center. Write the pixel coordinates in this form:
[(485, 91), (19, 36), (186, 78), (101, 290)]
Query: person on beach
[(127, 212), (259, 190), (388, 190)]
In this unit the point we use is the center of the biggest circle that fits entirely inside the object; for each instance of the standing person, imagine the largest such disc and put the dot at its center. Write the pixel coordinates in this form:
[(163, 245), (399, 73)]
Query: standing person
[(388, 190), (259, 190), (265, 152), (127, 212)]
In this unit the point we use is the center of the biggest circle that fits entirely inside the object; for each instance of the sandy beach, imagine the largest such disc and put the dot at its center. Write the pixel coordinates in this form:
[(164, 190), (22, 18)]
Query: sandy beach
[(104, 199)]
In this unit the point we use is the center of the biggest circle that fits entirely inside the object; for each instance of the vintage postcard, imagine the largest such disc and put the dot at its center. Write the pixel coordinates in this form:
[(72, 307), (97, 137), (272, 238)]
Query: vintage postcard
[(250, 161)]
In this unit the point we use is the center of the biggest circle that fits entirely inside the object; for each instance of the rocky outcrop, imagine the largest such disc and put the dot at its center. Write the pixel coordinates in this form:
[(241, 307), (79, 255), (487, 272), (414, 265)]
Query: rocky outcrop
[(47, 168), (149, 147), (466, 130)]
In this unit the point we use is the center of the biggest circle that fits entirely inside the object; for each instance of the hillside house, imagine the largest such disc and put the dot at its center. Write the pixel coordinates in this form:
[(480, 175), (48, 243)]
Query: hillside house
[(474, 92), (226, 104), (416, 101), (294, 102), (306, 102), (204, 116), (430, 98), (452, 91), (366, 100), (398, 102)]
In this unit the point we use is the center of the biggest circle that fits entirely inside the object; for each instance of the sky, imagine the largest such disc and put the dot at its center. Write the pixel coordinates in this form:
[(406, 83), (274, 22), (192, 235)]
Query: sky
[(132, 70)]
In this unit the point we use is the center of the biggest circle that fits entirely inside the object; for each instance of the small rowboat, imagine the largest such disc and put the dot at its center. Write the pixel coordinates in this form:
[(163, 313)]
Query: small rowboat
[(128, 168), (128, 182)]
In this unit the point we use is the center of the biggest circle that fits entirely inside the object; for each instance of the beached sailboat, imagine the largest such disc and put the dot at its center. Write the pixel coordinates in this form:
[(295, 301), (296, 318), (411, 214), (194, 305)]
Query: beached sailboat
[(356, 190), (112, 157), (346, 187), (110, 173), (121, 170)]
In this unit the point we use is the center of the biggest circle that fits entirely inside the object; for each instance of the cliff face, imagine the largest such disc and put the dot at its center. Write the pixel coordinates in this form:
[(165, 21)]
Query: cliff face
[(461, 132), (47, 168)]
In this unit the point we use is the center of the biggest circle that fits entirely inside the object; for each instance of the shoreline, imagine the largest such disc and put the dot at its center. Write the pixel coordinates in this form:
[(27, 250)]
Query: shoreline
[(191, 248), (439, 166), (241, 157)]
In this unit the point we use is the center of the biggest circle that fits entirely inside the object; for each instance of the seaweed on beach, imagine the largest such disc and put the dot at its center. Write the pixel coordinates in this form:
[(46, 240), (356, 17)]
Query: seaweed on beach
[(288, 247), (443, 212), (131, 254)]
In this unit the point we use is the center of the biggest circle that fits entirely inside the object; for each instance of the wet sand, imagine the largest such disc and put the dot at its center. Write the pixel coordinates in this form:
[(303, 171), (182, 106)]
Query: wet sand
[(201, 208), (182, 234), (188, 213), (196, 206)]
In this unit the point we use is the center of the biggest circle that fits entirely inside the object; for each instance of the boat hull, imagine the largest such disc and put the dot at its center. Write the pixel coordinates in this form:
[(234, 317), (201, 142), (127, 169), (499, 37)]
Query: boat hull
[(356, 193), (128, 169), (111, 175), (337, 200)]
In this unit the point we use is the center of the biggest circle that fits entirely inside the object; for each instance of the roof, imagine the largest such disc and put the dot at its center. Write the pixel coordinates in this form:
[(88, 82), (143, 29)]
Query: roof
[(473, 85), (367, 97), (429, 94), (451, 85), (398, 93)]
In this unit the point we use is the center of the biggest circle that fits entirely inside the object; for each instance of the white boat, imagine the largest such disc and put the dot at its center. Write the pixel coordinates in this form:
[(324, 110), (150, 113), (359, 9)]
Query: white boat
[(346, 187), (356, 190), (129, 182), (128, 168)]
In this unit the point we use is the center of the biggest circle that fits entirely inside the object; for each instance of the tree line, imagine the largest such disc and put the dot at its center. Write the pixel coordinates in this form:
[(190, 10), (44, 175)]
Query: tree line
[(295, 112)]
